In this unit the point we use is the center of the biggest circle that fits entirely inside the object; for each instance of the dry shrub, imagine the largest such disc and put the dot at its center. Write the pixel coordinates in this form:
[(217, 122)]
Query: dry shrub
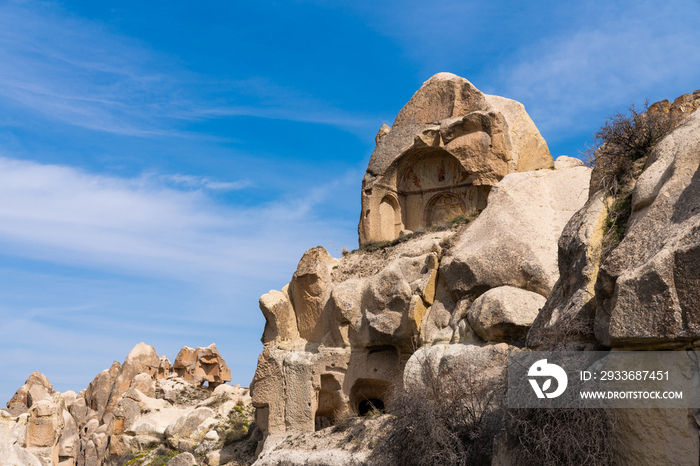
[(618, 156), (624, 139), (450, 419), (561, 437)]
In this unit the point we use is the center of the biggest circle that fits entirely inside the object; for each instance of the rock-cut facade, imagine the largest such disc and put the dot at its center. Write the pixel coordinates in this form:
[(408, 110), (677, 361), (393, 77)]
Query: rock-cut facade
[(447, 147)]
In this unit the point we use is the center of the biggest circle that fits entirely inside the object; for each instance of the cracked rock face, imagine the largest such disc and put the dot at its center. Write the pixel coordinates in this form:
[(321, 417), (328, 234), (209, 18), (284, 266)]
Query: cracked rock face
[(648, 288)]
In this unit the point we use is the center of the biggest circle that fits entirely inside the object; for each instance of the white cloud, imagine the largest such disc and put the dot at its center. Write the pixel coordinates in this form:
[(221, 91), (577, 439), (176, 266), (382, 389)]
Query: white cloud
[(58, 213)]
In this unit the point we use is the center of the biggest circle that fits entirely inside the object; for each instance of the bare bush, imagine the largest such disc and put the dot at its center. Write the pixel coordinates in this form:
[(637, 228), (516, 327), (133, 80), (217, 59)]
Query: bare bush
[(624, 139), (618, 156), (561, 437), (449, 419)]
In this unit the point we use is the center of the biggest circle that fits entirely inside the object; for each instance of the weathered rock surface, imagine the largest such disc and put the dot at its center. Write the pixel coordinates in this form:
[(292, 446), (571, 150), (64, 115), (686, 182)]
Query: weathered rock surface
[(504, 313), (202, 365), (13, 450), (648, 288), (280, 320), (567, 318), (36, 388), (142, 359), (514, 240), (77, 430), (309, 291), (447, 146), (485, 365)]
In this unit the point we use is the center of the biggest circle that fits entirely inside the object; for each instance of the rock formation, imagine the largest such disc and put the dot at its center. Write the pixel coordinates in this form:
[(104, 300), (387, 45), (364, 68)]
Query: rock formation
[(200, 365), (521, 266), (138, 407), (447, 147), (528, 272), (345, 333)]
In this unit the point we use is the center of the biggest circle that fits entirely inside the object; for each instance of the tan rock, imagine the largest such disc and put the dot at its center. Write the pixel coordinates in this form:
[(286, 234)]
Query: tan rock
[(69, 397), (142, 359), (280, 320), (183, 459), (485, 366), (12, 447), (37, 393), (504, 313), (442, 96), (144, 383), (21, 397), (164, 368), (383, 131), (98, 391), (447, 147), (309, 291), (184, 364), (44, 429), (69, 443), (647, 291), (563, 162), (514, 240), (653, 436), (529, 149), (210, 367), (188, 426), (567, 317)]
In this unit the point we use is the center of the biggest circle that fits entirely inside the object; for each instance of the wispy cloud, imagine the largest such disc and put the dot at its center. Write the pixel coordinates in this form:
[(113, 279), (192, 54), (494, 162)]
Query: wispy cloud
[(146, 223), (81, 73), (647, 50)]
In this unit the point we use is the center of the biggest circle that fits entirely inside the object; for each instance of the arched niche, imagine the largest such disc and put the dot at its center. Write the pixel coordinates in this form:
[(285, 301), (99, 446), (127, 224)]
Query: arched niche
[(442, 208), (389, 218), (433, 187), (429, 169)]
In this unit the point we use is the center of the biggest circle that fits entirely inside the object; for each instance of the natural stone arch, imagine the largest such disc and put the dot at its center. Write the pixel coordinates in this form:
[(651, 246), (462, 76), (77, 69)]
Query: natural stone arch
[(390, 218), (442, 208)]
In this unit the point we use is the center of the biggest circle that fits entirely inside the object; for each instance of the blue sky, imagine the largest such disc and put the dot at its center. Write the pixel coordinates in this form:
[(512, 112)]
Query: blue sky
[(163, 164)]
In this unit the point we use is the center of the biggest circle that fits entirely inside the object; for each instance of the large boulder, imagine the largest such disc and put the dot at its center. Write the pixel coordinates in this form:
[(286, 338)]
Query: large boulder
[(36, 388), (280, 320), (653, 436), (484, 366), (44, 429), (648, 288), (514, 240), (98, 391), (12, 442), (210, 367), (504, 313), (200, 365), (567, 317)]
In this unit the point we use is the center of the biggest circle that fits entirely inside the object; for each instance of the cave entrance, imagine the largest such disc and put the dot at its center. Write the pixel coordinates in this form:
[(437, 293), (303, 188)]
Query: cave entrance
[(367, 406)]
